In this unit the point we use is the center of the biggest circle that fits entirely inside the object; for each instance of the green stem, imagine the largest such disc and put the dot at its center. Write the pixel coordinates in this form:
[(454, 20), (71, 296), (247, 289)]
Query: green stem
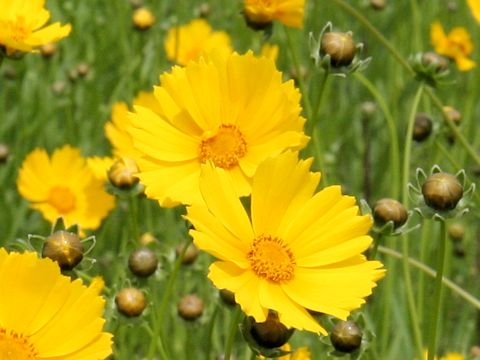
[(321, 91), (165, 299), (415, 323), (392, 129), (133, 205), (301, 82), (435, 312), (429, 271), (211, 326), (232, 332), (376, 242)]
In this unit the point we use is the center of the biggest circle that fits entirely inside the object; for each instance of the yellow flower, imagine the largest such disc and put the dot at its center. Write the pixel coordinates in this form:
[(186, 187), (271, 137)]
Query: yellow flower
[(116, 129), (457, 45), (300, 354), (288, 12), (296, 251), (143, 18), (448, 356), (474, 6), (234, 111), (270, 51), (46, 315), (189, 42), (100, 166), (64, 186), (21, 26)]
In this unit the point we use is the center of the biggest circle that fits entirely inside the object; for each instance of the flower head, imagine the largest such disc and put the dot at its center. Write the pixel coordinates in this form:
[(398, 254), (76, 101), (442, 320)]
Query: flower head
[(234, 111), (298, 250), (41, 318), (457, 45), (188, 42), (64, 186), (288, 12), (22, 26)]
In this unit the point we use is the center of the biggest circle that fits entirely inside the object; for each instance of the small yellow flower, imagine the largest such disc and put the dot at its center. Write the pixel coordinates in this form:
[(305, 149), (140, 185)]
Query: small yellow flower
[(288, 12), (457, 45), (235, 111), (22, 26), (297, 250), (46, 315), (143, 18), (270, 51), (189, 42), (474, 6), (64, 186)]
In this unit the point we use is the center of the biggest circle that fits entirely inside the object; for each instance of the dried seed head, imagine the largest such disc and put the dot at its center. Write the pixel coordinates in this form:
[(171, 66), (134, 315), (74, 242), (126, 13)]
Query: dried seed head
[(346, 336), (442, 191), (122, 173), (386, 210), (423, 127), (143, 262), (271, 333), (130, 302), (190, 307), (340, 46), (65, 248)]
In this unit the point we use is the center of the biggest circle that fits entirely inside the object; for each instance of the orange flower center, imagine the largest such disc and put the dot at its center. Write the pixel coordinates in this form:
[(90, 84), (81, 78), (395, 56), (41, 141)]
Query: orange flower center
[(225, 148), (15, 346), (271, 259), (62, 199)]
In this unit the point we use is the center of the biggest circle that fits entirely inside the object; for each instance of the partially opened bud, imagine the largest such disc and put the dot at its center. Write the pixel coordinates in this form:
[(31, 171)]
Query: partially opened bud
[(442, 191), (346, 336), (65, 248), (122, 173), (130, 302), (340, 46), (271, 333)]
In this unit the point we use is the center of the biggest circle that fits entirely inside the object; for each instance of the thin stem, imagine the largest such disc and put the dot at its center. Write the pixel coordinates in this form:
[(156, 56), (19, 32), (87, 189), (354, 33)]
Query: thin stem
[(429, 271), (405, 242), (435, 313), (376, 243), (321, 91), (301, 82), (211, 326), (392, 129), (232, 332), (133, 205)]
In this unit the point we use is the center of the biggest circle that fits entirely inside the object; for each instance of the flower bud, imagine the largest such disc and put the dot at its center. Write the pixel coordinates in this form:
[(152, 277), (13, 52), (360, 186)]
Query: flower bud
[(386, 210), (453, 114), (122, 172), (271, 333), (340, 46), (83, 69), (435, 61), (442, 191), (204, 10), (143, 262), (48, 50), (65, 248), (190, 254), (346, 336), (136, 3), (368, 109), (456, 232), (377, 4), (130, 302), (190, 307), (422, 128), (227, 297), (143, 18), (147, 239), (4, 153)]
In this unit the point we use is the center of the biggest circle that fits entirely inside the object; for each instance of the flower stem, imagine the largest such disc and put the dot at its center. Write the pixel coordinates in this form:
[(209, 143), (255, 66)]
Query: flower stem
[(232, 332), (392, 129), (435, 312), (405, 242)]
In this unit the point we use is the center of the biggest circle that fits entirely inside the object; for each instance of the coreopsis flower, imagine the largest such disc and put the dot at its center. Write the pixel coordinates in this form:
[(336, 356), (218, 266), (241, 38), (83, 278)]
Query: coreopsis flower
[(116, 129), (457, 45), (46, 315), (22, 26), (474, 6), (447, 356), (188, 42), (143, 18), (234, 111), (64, 186), (297, 251), (264, 12)]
